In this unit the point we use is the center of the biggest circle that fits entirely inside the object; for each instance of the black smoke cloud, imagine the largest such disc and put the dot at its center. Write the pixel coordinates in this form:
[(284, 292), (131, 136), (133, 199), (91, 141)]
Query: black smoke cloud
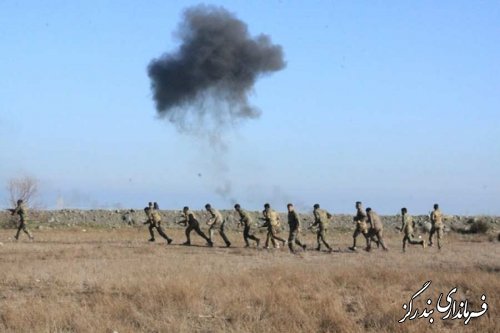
[(214, 69)]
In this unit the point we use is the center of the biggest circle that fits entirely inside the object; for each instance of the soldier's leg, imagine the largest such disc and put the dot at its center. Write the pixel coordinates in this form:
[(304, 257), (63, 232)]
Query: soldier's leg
[(354, 236), (291, 240), (202, 234), (298, 242), (151, 233), (439, 232), (268, 236), (223, 235), (274, 235), (211, 233), (381, 239), (431, 234), (324, 241), (253, 237), (188, 235), (318, 240), (246, 235), (19, 228), (163, 234), (27, 232)]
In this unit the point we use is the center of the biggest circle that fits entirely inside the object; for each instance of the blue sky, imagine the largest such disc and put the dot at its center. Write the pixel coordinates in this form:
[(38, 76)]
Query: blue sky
[(395, 103)]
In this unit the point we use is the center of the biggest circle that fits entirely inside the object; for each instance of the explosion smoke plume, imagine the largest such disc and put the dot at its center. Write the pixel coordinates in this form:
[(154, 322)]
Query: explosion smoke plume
[(212, 72)]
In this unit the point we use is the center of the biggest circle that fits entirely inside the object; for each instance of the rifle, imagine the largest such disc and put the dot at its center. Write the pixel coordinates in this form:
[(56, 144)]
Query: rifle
[(11, 210)]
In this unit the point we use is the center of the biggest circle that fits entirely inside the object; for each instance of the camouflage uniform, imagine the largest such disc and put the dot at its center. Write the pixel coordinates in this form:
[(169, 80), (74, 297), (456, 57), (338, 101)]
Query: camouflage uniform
[(321, 218), (407, 228), (272, 224), (361, 227), (22, 212), (192, 224), (217, 222), (294, 230), (155, 223), (437, 226), (376, 230), (246, 220)]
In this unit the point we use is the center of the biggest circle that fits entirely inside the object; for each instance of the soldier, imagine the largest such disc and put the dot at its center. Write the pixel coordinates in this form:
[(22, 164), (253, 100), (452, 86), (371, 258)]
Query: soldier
[(376, 229), (216, 221), (294, 229), (192, 223), (22, 212), (407, 228), (321, 218), (361, 227), (437, 225), (154, 219), (272, 224), (246, 221)]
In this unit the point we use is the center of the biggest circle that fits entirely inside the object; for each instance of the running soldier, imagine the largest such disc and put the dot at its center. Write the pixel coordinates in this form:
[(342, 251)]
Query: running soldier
[(407, 228), (321, 219), (437, 226), (21, 211), (271, 219), (246, 221), (376, 229), (294, 229), (192, 223), (154, 219), (361, 227), (216, 221)]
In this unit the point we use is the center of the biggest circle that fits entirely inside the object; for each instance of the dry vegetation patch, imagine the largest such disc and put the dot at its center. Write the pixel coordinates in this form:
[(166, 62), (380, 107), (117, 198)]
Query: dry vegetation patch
[(106, 280)]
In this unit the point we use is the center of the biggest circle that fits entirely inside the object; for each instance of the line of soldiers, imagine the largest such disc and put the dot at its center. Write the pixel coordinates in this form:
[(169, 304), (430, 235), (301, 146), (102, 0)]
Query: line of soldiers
[(367, 223)]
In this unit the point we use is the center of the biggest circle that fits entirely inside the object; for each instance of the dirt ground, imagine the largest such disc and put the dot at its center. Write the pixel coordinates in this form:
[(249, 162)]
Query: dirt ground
[(113, 280)]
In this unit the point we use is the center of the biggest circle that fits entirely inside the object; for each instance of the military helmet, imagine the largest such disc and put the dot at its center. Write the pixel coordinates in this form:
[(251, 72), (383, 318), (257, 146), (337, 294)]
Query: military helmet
[(316, 206)]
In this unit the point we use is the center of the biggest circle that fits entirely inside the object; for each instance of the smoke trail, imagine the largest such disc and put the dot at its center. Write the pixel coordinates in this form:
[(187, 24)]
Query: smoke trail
[(204, 85)]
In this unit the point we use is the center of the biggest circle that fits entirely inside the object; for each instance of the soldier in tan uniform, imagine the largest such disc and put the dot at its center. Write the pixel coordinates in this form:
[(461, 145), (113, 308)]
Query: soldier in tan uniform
[(437, 225), (246, 221), (272, 224), (376, 229), (192, 223), (407, 228), (216, 221), (294, 229), (321, 220), (22, 212), (361, 226), (154, 219)]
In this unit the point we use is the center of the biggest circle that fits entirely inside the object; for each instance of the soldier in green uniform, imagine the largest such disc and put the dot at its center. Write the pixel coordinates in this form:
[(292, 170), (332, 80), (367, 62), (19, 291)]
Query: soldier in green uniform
[(361, 227), (437, 225), (321, 220), (272, 224), (154, 219), (22, 212), (407, 228), (294, 229), (192, 223), (376, 229), (216, 221), (246, 221)]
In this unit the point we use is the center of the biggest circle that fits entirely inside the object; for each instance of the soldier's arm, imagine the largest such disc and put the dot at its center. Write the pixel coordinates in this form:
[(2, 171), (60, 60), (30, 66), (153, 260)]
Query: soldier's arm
[(15, 210)]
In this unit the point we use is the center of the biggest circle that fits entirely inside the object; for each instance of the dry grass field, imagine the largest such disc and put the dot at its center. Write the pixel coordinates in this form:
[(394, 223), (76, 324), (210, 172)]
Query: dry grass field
[(113, 280)]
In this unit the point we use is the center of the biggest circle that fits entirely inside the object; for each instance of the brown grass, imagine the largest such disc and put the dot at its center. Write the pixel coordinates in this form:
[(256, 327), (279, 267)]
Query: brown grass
[(106, 280)]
